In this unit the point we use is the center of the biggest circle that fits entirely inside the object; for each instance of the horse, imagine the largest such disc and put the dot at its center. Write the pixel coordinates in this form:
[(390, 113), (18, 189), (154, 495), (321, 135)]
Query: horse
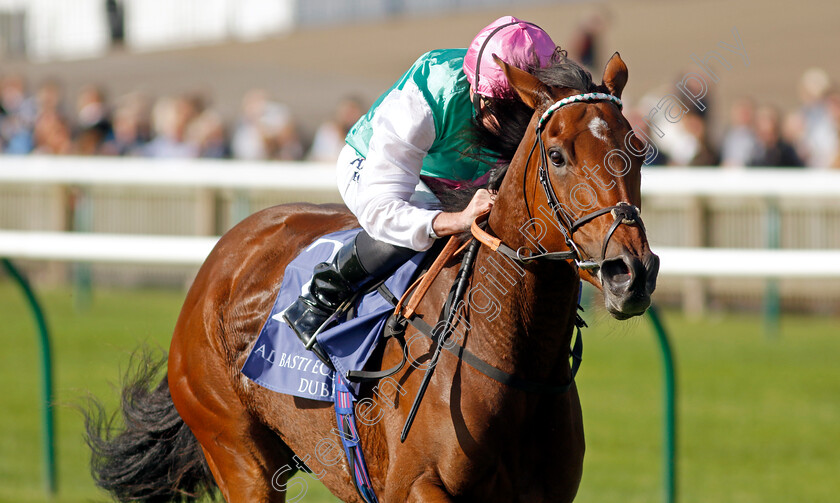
[(205, 426)]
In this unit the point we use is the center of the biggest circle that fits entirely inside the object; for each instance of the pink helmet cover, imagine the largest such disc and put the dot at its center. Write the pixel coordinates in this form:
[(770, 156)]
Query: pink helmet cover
[(520, 44)]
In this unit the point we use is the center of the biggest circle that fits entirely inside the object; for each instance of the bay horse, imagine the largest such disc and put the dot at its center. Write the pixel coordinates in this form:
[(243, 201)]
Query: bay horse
[(474, 439)]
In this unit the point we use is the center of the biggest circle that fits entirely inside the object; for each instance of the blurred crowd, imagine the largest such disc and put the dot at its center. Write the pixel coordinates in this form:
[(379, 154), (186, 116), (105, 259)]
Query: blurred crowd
[(753, 134), (42, 121), (748, 134)]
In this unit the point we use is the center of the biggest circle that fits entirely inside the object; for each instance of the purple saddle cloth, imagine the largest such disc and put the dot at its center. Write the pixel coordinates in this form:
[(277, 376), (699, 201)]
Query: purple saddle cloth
[(278, 361)]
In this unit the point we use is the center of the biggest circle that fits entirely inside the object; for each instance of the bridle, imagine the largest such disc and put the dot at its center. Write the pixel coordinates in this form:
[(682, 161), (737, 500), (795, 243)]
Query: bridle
[(623, 213)]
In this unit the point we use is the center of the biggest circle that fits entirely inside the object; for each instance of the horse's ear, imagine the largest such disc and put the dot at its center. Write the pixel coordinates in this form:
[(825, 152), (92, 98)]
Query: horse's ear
[(529, 88), (615, 75)]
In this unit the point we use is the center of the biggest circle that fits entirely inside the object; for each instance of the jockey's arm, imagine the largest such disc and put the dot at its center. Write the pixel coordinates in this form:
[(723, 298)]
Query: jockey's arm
[(403, 132), (446, 224)]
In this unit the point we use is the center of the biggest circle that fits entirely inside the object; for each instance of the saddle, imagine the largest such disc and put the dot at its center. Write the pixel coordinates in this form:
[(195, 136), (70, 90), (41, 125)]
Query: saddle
[(278, 361)]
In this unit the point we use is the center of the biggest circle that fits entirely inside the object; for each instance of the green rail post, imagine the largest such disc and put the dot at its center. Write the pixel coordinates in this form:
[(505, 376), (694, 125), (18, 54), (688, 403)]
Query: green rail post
[(772, 298), (240, 207), (670, 412), (46, 377), (82, 222)]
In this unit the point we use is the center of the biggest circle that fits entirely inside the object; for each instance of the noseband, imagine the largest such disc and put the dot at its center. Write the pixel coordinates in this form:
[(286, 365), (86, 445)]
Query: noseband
[(623, 213)]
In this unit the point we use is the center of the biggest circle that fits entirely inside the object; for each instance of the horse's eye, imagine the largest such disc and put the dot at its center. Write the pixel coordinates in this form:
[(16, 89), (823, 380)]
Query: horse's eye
[(557, 158)]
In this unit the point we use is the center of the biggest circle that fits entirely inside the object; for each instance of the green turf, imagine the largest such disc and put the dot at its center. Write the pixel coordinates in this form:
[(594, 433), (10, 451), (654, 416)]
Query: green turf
[(759, 419)]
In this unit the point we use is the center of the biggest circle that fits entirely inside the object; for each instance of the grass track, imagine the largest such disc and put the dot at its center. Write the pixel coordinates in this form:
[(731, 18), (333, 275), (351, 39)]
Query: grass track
[(759, 419)]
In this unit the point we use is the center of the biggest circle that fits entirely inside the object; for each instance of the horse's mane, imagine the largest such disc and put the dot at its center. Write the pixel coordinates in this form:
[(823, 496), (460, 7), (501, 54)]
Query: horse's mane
[(496, 145)]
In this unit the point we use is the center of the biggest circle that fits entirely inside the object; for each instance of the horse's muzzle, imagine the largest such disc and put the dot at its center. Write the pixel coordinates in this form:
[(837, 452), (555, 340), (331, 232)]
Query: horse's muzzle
[(628, 282)]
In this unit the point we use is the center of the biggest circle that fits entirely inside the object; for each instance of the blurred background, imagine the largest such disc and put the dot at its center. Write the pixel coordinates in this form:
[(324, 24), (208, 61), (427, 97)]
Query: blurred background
[(134, 86)]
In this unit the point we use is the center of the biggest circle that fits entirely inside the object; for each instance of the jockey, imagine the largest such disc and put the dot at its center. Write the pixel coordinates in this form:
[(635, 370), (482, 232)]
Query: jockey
[(415, 131)]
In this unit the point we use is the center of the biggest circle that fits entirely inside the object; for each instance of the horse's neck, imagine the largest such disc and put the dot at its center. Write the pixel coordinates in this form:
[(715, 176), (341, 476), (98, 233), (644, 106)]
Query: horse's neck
[(521, 318)]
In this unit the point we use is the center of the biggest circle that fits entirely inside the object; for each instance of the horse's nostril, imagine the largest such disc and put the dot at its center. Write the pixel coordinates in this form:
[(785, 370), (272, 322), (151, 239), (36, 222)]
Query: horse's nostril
[(616, 272), (652, 268)]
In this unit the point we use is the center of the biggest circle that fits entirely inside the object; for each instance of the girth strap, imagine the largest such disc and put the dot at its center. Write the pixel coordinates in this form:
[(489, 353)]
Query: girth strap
[(500, 375), (395, 328), (346, 419)]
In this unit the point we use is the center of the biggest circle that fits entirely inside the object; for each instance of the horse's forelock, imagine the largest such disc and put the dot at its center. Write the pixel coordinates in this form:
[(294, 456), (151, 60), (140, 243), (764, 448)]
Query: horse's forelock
[(568, 74)]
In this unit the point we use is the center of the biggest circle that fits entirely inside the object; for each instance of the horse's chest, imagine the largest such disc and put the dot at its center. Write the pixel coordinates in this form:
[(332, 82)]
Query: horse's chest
[(531, 453)]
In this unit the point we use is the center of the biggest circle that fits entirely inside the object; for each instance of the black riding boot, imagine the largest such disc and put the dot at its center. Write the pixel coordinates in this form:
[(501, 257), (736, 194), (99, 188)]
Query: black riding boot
[(357, 264)]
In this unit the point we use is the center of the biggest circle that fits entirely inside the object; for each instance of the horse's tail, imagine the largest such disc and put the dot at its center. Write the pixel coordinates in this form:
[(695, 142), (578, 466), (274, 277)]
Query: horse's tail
[(155, 457)]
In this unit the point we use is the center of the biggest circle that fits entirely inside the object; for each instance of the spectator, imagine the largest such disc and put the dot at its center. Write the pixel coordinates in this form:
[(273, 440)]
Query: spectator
[(265, 130), (833, 102), (694, 87), (89, 141), (193, 104), (740, 144), (130, 127), (18, 117), (793, 132), (91, 109), (141, 106), (674, 139), (329, 138), (248, 140), (126, 138), (15, 135), (704, 153), (820, 143), (12, 94), (586, 42), (49, 98), (93, 121), (16, 102), (773, 150), (678, 143), (51, 134), (3, 117), (207, 134), (281, 135), (170, 118)]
